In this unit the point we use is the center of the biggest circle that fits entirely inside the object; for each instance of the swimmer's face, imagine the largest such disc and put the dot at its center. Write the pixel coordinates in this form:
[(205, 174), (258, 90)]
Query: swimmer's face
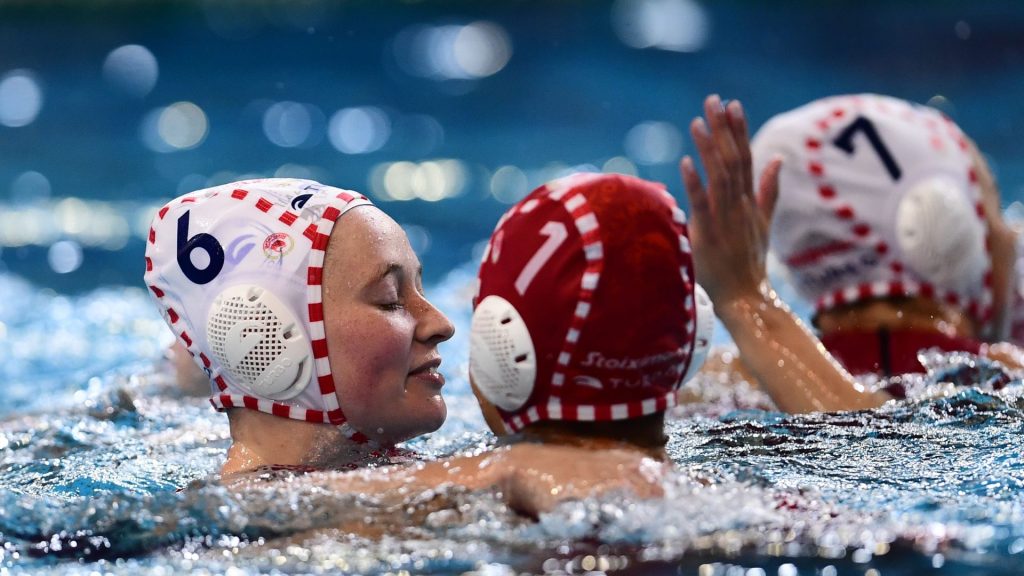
[(382, 333)]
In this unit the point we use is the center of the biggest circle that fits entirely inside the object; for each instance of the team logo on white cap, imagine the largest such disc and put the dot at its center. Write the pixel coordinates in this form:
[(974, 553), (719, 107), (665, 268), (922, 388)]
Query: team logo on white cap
[(277, 245)]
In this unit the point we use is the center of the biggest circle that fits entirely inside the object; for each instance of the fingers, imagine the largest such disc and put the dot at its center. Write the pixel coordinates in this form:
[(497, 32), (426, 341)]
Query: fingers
[(768, 188), (699, 207), (738, 126), (713, 167), (726, 144)]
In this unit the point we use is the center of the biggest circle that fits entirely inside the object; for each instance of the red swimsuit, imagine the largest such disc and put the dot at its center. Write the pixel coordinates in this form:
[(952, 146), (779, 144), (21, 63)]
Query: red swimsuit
[(890, 352)]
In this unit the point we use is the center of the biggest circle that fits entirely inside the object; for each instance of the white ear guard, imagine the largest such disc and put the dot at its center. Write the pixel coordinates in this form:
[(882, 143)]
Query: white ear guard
[(258, 339), (502, 362), (940, 234), (704, 330)]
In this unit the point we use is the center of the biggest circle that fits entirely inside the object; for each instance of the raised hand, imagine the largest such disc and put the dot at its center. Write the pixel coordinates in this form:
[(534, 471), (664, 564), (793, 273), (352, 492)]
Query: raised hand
[(728, 222), (729, 229)]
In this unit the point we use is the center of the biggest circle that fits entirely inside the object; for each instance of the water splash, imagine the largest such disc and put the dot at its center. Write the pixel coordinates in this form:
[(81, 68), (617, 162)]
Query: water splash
[(111, 469)]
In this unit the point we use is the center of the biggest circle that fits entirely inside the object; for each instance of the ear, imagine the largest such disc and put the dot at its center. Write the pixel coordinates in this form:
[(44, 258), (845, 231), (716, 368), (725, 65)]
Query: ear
[(489, 411)]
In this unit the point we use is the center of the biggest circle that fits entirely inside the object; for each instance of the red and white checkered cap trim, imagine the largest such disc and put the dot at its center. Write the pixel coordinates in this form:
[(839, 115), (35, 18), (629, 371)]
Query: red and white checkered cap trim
[(587, 226), (222, 402), (976, 308), (840, 109), (318, 235), (679, 224), (556, 410), (565, 192)]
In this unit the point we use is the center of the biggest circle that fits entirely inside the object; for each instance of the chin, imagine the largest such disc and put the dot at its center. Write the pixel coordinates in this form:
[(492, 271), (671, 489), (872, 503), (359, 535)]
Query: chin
[(427, 419), (436, 417)]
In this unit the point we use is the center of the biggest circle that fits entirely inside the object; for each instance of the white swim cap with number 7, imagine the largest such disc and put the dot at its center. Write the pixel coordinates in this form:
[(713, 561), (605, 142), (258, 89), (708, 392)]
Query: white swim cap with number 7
[(877, 199)]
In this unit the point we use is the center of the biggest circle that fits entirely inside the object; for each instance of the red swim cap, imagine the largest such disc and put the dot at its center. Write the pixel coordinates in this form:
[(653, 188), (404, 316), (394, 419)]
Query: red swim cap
[(587, 307)]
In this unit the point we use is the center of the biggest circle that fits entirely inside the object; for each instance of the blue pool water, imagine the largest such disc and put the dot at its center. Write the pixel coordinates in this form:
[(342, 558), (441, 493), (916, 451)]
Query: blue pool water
[(95, 445), (109, 109)]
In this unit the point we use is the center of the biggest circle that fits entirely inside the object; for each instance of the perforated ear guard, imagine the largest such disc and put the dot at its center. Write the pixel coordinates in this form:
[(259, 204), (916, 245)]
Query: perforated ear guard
[(940, 234), (258, 339), (503, 363), (705, 330)]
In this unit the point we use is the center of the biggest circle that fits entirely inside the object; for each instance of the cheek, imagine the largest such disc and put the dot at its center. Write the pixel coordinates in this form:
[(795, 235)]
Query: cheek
[(369, 360)]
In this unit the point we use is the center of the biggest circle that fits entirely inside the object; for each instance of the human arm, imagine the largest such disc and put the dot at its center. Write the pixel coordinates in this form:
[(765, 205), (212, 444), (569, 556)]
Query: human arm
[(532, 478), (729, 229), (541, 476)]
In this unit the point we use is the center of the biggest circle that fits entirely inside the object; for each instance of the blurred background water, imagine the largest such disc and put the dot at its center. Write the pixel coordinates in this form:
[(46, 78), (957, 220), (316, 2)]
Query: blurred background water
[(445, 113)]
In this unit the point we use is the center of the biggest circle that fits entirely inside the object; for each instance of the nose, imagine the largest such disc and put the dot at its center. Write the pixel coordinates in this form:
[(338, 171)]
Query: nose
[(432, 326)]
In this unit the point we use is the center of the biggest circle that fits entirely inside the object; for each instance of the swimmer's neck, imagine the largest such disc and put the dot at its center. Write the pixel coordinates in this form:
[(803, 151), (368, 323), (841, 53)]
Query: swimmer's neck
[(646, 434), (259, 440), (916, 314)]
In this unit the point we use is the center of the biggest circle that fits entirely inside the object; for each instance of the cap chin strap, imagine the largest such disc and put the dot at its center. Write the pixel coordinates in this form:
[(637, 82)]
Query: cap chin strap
[(941, 235), (260, 342), (502, 360), (704, 330)]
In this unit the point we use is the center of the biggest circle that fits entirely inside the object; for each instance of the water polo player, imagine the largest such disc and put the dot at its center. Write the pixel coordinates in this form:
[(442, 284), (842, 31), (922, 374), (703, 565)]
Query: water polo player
[(589, 318), (881, 222), (303, 304), (588, 310)]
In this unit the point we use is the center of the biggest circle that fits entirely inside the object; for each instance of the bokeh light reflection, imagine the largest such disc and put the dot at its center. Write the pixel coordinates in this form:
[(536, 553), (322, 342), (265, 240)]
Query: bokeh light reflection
[(291, 124), (620, 165), (131, 68), (509, 184), (674, 25), (89, 223), (453, 52), (359, 130), (432, 180), (397, 181), (481, 49), (419, 238), (428, 182), (180, 126), (654, 143), (30, 187), (64, 256), (943, 104), (21, 98), (25, 227)]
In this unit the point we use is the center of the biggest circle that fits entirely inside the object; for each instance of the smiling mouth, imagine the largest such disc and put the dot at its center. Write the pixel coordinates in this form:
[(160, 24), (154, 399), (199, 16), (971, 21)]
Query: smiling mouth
[(429, 373)]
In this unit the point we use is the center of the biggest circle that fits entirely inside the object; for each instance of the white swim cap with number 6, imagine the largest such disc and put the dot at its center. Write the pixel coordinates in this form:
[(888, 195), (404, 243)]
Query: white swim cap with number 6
[(236, 270)]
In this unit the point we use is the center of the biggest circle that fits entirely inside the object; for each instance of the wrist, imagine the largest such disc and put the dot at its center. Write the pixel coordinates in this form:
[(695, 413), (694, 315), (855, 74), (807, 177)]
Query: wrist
[(754, 313), (745, 305)]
